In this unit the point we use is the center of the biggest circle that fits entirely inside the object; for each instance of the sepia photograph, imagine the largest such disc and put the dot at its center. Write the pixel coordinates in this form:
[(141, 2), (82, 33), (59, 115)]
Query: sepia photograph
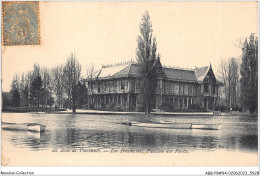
[(129, 83)]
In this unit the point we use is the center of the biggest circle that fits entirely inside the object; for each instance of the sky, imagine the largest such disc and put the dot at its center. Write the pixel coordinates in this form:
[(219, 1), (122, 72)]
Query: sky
[(188, 34)]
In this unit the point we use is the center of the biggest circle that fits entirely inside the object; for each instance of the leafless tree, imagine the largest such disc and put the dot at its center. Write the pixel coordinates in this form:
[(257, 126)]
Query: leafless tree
[(58, 84), (72, 71), (47, 87), (90, 72), (229, 75)]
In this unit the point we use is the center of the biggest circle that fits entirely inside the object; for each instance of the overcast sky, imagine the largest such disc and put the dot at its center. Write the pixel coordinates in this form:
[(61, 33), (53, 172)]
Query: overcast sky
[(187, 33)]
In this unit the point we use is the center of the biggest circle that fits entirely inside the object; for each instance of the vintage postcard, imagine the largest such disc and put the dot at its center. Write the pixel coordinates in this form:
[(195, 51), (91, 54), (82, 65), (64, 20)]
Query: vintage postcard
[(129, 84)]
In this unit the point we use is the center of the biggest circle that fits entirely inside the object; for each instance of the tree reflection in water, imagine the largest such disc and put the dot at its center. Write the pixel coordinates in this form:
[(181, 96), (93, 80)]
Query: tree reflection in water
[(106, 132)]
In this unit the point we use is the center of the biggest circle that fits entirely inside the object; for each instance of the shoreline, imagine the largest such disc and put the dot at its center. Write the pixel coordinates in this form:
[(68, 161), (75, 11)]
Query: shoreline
[(100, 112)]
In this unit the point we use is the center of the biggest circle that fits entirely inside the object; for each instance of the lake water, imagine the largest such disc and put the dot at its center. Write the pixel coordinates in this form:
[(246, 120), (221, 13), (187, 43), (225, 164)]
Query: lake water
[(237, 133)]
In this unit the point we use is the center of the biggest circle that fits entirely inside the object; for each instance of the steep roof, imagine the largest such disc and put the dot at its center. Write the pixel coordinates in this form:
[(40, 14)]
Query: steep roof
[(201, 72), (115, 71), (179, 74), (132, 70)]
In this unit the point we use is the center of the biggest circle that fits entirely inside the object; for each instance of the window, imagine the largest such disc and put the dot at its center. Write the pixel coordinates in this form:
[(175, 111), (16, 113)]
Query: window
[(171, 101), (190, 89), (181, 89), (122, 84), (206, 87), (186, 89), (158, 84), (181, 103), (115, 85), (137, 84), (105, 85), (171, 88), (110, 85), (166, 87), (176, 103), (132, 85), (176, 88), (185, 102), (98, 88), (209, 89)]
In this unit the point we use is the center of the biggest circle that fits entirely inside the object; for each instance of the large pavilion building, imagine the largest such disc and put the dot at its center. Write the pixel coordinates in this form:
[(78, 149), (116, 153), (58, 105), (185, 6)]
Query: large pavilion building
[(118, 86)]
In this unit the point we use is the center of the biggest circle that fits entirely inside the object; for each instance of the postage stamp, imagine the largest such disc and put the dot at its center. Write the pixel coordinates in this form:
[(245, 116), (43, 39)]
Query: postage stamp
[(20, 23)]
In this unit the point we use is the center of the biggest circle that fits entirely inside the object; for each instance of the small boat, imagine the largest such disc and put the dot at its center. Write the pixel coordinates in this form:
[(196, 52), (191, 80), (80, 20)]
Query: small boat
[(206, 126), (40, 112), (36, 127), (127, 123), (171, 125), (14, 126), (167, 121)]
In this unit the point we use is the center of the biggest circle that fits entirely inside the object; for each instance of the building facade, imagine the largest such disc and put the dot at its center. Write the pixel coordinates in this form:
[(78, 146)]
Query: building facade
[(118, 87)]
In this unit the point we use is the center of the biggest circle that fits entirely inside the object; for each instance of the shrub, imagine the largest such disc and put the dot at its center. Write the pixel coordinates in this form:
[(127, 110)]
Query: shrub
[(167, 107), (197, 108)]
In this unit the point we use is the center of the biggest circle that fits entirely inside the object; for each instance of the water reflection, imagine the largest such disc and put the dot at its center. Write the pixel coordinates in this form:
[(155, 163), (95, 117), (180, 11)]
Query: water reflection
[(106, 132)]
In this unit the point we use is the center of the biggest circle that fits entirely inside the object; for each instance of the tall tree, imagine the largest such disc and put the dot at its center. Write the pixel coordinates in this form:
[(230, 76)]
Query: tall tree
[(146, 56), (16, 98), (28, 81), (72, 71), (6, 99), (233, 79), (223, 70), (24, 95), (15, 82), (81, 94), (229, 71), (58, 84), (46, 99), (90, 75), (15, 86), (36, 91), (249, 76)]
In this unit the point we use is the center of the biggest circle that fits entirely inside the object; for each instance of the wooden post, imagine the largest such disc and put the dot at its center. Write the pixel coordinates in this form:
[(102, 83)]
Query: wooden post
[(121, 101), (182, 103), (207, 105), (213, 103), (128, 102), (136, 101)]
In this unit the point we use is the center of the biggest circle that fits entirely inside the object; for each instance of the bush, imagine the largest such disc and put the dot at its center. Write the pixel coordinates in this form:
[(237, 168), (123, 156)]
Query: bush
[(140, 108), (110, 106), (167, 107), (118, 108), (221, 108), (196, 108)]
